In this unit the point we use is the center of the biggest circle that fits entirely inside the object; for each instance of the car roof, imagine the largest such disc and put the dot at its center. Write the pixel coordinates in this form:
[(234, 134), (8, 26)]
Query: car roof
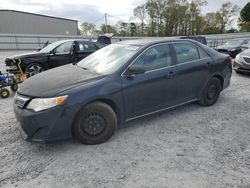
[(151, 41), (69, 40)]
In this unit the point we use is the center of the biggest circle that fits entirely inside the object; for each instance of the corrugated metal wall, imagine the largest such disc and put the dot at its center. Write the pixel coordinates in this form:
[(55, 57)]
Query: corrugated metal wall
[(25, 23)]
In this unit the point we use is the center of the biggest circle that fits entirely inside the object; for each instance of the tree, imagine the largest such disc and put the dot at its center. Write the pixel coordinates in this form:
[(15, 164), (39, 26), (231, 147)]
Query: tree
[(212, 23), (87, 28), (156, 9), (226, 15), (132, 27), (111, 29), (245, 18), (140, 13), (245, 13)]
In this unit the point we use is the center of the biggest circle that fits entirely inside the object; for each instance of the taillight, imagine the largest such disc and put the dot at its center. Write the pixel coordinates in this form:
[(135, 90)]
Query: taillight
[(230, 60)]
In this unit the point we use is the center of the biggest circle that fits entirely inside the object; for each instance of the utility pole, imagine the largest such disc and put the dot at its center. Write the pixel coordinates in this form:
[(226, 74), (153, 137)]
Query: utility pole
[(106, 22)]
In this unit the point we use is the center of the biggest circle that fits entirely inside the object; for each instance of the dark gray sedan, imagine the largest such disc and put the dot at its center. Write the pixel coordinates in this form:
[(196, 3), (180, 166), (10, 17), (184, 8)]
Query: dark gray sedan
[(242, 62), (116, 84)]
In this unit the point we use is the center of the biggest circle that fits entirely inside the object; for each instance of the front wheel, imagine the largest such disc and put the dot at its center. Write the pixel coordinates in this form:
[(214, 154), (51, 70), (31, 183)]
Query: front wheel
[(33, 69), (211, 92), (14, 87), (94, 123)]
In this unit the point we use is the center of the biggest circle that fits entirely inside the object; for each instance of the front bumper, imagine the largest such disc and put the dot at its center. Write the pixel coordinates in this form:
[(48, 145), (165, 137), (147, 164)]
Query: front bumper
[(241, 67), (45, 126)]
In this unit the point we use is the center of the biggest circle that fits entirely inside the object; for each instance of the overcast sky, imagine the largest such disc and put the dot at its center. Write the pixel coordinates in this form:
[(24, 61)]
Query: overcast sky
[(92, 10)]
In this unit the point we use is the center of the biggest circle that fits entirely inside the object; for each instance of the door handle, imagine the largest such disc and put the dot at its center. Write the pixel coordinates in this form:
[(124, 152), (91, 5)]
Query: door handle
[(171, 74)]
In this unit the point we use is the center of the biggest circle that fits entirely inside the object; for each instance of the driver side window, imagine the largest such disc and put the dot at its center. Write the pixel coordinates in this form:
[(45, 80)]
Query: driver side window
[(156, 57), (64, 48)]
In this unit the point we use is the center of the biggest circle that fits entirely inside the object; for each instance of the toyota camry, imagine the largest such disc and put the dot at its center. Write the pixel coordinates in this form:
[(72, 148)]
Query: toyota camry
[(116, 84)]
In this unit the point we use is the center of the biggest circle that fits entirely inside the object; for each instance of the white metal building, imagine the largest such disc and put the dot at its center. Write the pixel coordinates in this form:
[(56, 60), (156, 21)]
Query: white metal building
[(16, 22)]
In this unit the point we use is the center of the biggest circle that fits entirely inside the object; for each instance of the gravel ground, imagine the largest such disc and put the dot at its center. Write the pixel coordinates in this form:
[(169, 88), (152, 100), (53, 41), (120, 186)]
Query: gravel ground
[(189, 146)]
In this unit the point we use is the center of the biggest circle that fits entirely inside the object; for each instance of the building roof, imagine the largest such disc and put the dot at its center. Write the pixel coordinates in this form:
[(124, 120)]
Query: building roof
[(16, 11)]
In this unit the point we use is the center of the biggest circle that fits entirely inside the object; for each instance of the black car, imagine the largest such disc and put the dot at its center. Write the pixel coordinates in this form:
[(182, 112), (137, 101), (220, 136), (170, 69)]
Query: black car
[(198, 38), (232, 47), (116, 84), (242, 62), (54, 55)]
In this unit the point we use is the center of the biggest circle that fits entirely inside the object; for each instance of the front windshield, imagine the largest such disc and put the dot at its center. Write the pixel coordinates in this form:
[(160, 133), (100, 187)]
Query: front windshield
[(234, 42), (109, 59), (50, 47)]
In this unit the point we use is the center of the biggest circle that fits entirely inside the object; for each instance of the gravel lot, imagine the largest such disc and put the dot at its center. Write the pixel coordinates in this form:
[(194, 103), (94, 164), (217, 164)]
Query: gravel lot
[(189, 146)]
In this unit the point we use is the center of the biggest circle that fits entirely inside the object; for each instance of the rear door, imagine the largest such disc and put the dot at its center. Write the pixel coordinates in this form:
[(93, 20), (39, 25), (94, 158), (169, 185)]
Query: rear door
[(156, 88), (194, 68)]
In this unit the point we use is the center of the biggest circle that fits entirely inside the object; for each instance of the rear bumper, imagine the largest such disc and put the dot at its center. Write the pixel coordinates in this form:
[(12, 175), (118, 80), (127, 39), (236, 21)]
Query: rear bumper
[(45, 126)]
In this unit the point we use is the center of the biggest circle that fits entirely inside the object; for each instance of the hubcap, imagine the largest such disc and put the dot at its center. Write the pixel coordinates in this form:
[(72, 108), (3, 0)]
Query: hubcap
[(4, 93), (211, 92), (34, 69), (94, 125)]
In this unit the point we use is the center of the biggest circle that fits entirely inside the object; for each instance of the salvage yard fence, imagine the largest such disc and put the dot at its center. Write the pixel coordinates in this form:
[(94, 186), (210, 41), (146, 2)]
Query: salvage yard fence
[(32, 42)]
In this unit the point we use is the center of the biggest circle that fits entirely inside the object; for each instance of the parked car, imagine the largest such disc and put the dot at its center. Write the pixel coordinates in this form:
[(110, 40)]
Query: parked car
[(245, 46), (198, 38), (116, 84), (242, 62), (54, 55), (232, 47)]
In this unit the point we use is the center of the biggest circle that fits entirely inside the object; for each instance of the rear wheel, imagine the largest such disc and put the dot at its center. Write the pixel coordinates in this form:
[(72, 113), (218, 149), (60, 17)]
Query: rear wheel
[(211, 92), (5, 93), (94, 123), (33, 69)]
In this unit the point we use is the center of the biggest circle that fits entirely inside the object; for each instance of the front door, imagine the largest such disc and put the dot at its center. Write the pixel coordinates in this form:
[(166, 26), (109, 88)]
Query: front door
[(61, 55), (85, 48), (156, 88)]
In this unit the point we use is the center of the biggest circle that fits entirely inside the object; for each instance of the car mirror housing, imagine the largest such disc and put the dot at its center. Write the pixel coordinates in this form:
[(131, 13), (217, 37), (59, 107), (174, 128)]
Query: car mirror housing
[(135, 69)]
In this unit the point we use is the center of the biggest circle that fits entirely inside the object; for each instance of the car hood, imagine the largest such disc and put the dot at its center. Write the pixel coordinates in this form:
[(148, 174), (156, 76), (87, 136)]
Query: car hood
[(228, 47), (245, 52), (54, 81), (27, 55)]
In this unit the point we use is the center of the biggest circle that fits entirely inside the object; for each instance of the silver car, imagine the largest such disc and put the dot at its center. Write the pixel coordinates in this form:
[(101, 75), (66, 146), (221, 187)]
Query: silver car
[(242, 62)]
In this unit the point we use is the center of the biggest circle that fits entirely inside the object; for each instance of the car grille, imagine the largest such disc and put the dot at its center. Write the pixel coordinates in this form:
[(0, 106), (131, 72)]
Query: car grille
[(223, 51), (21, 101), (247, 59)]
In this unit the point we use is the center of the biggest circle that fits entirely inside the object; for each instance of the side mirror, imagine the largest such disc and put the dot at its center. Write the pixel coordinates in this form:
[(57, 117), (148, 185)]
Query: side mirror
[(52, 52), (38, 49), (135, 69)]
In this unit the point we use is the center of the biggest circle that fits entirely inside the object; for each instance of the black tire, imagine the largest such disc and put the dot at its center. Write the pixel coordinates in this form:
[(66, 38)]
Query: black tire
[(33, 69), (14, 87), (94, 123), (5, 93), (211, 92)]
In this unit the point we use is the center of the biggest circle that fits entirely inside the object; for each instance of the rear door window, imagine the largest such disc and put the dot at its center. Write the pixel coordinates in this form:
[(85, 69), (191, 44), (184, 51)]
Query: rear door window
[(186, 52)]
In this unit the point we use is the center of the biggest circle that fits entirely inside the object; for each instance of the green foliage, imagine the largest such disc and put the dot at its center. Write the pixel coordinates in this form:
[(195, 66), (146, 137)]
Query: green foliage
[(87, 28), (245, 18), (110, 29), (245, 13), (176, 17)]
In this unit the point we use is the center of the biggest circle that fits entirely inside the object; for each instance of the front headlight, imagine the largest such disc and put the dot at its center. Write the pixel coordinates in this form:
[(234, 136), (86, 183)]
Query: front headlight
[(39, 104)]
